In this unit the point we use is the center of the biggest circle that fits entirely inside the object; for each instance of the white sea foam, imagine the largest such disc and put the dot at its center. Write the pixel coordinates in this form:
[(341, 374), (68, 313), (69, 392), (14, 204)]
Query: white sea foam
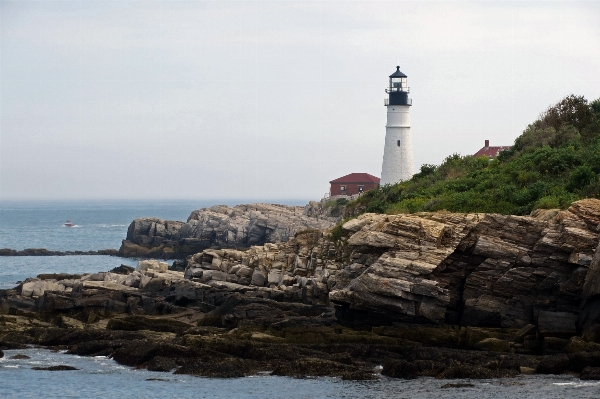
[(578, 384)]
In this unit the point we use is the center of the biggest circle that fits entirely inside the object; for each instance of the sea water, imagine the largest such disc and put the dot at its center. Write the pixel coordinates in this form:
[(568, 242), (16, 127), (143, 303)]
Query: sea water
[(103, 224), (103, 377), (98, 225)]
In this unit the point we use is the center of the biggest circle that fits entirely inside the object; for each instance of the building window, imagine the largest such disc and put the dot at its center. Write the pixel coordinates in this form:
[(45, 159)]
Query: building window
[(398, 143)]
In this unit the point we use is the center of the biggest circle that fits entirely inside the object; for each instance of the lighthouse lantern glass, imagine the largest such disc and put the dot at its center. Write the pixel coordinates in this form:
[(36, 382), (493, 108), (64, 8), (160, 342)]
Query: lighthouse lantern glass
[(398, 84)]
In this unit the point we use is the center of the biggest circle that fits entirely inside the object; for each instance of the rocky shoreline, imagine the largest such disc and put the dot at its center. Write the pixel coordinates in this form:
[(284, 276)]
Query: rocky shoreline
[(46, 252), (221, 226), (437, 294)]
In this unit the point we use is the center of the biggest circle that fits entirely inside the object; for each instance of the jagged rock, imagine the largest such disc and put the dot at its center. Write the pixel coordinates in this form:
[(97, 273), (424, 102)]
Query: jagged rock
[(274, 277), (591, 286), (557, 323), (161, 363), (454, 274), (221, 226), (178, 266), (553, 345), (19, 356), (400, 369), (59, 276), (580, 360), (245, 271), (493, 344), (37, 288), (590, 373), (576, 344), (123, 269), (217, 275), (154, 265), (258, 278), (555, 364), (525, 331), (136, 323), (477, 270)]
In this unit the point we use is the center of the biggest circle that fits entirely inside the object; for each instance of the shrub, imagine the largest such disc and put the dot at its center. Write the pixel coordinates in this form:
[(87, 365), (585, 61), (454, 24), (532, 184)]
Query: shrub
[(337, 232), (580, 177), (426, 170)]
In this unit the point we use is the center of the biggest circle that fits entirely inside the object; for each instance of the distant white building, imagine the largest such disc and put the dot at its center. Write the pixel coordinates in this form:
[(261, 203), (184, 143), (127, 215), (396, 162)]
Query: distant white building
[(397, 155)]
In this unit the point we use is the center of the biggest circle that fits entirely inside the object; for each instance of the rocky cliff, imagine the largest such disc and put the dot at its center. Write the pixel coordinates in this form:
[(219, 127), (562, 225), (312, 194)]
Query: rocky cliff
[(478, 270), (222, 227), (484, 270), (464, 269), (512, 287)]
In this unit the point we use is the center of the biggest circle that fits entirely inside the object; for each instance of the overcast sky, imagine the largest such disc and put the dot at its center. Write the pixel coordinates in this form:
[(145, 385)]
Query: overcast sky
[(267, 100)]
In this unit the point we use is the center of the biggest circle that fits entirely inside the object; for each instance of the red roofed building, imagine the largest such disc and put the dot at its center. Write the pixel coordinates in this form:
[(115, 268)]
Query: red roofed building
[(490, 152), (354, 183)]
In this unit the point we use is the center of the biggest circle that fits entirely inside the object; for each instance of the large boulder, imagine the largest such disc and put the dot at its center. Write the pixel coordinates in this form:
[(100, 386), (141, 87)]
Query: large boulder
[(37, 288), (555, 364), (153, 265), (400, 369), (221, 226)]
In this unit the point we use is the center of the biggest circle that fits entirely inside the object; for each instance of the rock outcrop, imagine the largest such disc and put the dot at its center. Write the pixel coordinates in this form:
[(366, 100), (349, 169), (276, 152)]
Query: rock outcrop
[(222, 227), (484, 270), (477, 270), (430, 294), (481, 270)]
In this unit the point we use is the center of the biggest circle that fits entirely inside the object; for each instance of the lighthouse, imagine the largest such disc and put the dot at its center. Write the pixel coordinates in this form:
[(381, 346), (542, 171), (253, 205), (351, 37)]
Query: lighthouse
[(397, 154)]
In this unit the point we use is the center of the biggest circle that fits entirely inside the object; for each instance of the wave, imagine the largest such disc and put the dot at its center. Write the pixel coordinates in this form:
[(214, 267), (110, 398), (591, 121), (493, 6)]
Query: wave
[(577, 384)]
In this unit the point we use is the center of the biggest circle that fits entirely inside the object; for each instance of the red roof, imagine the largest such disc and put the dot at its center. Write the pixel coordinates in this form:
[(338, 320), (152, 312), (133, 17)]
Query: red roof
[(357, 178), (490, 152)]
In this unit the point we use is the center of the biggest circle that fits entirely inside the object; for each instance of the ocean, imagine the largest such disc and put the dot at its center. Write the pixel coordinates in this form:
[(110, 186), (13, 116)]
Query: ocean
[(98, 225), (102, 225)]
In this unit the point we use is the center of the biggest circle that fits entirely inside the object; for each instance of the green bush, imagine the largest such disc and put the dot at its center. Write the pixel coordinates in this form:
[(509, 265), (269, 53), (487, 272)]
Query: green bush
[(580, 177), (553, 163), (337, 232)]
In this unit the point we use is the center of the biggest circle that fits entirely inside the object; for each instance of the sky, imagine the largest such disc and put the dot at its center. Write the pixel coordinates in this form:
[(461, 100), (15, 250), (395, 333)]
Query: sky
[(267, 100)]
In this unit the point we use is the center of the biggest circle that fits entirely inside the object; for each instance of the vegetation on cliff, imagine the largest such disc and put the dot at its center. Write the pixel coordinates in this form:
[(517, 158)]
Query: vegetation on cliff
[(554, 162)]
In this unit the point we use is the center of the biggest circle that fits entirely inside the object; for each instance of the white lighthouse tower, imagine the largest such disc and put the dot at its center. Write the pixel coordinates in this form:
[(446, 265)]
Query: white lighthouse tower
[(397, 154)]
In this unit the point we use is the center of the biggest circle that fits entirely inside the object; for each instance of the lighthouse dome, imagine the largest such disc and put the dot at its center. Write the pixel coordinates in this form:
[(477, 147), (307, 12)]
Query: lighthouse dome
[(398, 73)]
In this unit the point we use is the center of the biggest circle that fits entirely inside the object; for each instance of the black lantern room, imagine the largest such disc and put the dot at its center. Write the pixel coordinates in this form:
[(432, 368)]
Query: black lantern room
[(398, 89)]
